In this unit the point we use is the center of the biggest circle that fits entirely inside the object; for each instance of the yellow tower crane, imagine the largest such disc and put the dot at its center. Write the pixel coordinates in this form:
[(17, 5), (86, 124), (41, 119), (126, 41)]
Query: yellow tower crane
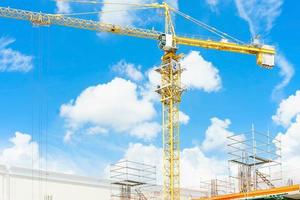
[(170, 89)]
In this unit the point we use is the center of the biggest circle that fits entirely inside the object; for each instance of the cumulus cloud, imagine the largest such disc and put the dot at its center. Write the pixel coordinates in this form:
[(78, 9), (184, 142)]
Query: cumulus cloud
[(95, 130), (122, 106), (12, 60), (24, 152), (195, 162), (200, 74), (216, 134), (130, 70), (288, 110), (63, 7), (183, 118), (146, 130), (116, 105), (151, 154), (290, 139), (260, 15), (288, 115), (195, 165)]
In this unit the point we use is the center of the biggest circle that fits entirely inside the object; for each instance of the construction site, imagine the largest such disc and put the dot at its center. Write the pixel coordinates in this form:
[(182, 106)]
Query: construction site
[(254, 157)]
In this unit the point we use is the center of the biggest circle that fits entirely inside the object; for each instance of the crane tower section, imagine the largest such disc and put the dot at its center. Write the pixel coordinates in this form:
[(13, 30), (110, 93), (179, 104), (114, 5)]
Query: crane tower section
[(171, 91)]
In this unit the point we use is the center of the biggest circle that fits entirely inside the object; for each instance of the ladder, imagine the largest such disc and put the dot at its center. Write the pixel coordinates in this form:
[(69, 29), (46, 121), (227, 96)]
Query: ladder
[(140, 194), (264, 178)]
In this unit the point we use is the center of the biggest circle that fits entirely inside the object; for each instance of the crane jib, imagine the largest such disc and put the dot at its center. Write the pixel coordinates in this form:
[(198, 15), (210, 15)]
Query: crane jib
[(265, 54)]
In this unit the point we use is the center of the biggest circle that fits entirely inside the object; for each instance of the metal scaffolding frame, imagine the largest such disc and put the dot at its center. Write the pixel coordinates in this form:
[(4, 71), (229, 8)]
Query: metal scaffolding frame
[(255, 160), (216, 187), (130, 180)]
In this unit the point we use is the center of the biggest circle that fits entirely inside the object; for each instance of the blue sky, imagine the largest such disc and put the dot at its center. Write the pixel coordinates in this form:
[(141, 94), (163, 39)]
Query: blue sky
[(65, 62)]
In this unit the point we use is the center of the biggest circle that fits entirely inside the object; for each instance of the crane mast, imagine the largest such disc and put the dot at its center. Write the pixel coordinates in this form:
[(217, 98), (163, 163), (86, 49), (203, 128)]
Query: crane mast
[(170, 88)]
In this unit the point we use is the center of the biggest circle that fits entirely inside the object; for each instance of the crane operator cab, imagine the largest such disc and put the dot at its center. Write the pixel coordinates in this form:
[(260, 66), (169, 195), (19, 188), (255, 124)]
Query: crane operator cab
[(166, 42)]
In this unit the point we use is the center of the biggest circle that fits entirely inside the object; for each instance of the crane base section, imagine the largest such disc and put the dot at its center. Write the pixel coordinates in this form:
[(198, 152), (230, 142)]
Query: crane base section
[(287, 192)]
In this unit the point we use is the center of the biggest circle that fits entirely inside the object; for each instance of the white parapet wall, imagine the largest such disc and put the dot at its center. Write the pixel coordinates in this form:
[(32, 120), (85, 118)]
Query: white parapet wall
[(27, 184)]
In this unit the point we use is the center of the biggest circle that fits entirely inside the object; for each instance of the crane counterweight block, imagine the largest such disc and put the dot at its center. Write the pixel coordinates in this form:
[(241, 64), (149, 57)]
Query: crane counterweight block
[(266, 60)]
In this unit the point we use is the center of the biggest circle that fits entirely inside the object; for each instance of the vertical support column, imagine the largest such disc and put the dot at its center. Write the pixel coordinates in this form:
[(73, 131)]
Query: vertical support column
[(6, 188), (171, 91)]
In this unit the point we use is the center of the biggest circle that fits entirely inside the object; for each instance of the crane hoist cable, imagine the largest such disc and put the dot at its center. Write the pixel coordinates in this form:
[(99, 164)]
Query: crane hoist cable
[(206, 26), (211, 29)]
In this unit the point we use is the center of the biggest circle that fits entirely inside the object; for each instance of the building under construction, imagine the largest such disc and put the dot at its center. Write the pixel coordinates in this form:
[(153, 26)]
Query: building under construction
[(255, 158), (255, 170)]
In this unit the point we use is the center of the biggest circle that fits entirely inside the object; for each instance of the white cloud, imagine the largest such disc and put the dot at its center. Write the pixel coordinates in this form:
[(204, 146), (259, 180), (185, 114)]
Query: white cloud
[(68, 135), (288, 115), (146, 130), (286, 72), (288, 110), (63, 7), (212, 2), (126, 16), (116, 105), (216, 134), (12, 60), (290, 139), (153, 77), (183, 118), (96, 130), (195, 165), (24, 152), (200, 74), (129, 69), (151, 154), (260, 15), (150, 86)]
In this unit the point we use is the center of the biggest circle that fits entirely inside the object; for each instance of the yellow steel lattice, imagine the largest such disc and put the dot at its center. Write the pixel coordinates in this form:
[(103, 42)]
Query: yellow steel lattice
[(170, 91)]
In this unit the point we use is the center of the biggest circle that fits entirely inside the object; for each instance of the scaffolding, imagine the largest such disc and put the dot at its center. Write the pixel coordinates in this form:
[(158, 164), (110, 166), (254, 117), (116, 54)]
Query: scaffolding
[(132, 180), (255, 161), (216, 187)]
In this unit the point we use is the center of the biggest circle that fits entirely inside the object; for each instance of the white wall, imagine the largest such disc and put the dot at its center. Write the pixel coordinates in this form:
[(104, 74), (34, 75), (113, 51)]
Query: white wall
[(26, 189), (1, 186), (27, 184)]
